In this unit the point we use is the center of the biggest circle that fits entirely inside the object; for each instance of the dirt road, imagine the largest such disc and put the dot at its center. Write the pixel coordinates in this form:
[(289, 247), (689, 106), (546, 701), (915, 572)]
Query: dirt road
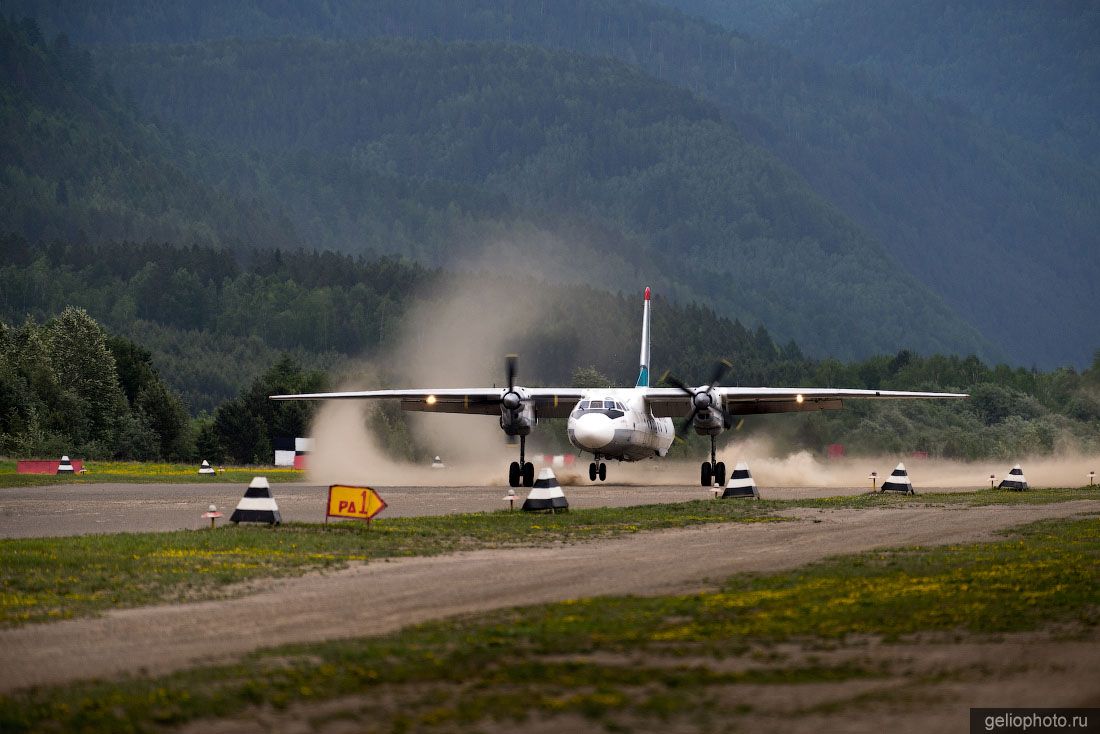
[(384, 596)]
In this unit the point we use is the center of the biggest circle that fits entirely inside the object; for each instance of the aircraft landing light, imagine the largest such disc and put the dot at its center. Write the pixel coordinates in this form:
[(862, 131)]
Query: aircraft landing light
[(798, 399), (430, 400)]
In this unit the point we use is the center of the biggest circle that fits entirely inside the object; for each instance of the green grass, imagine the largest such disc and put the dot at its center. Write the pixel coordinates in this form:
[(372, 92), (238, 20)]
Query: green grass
[(44, 579), (99, 472), (618, 660)]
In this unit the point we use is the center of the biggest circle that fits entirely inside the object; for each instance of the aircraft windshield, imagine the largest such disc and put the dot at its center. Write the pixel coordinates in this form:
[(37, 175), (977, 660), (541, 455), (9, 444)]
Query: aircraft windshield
[(610, 408)]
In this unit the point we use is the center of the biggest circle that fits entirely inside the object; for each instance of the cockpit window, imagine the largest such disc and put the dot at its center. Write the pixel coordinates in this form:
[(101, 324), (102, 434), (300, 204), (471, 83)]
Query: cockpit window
[(611, 408)]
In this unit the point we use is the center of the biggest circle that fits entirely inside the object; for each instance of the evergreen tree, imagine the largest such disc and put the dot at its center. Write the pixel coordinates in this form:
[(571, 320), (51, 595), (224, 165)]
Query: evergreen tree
[(246, 425), (85, 368)]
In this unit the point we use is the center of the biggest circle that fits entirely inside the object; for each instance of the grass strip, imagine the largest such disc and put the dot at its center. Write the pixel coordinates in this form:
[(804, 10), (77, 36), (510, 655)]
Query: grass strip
[(44, 579), (615, 659), (100, 472)]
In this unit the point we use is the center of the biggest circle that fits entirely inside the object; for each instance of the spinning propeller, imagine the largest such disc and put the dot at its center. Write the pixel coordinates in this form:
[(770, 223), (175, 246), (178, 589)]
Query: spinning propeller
[(701, 398), (511, 399)]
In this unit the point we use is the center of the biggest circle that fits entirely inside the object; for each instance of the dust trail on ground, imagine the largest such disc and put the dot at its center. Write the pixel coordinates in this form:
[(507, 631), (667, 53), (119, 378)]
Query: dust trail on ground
[(477, 456), (805, 469), (771, 467)]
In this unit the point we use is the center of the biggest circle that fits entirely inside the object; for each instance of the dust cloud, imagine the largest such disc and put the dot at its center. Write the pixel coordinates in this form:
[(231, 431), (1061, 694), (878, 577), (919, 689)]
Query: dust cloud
[(459, 338), (805, 469), (347, 452), (453, 338)]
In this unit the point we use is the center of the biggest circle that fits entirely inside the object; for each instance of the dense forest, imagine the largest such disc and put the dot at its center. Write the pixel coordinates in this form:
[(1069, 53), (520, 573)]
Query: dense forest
[(1030, 68), (79, 163), (335, 307), (203, 206), (573, 168), (68, 387), (958, 201), (336, 311)]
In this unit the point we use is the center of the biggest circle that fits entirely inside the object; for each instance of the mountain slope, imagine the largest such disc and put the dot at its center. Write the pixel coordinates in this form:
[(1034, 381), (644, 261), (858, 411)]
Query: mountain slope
[(215, 319), (630, 178), (1030, 68), (963, 205), (79, 163)]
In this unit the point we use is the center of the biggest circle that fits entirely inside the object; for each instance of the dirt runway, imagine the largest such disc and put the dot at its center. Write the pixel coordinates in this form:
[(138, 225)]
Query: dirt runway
[(385, 596)]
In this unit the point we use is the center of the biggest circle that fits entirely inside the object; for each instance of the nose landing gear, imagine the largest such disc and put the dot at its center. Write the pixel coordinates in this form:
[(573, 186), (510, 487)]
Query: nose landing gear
[(521, 473), (597, 470), (714, 472)]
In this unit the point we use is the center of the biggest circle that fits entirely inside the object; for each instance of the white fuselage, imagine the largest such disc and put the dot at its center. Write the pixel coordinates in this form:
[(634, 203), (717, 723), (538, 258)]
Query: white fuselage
[(615, 423)]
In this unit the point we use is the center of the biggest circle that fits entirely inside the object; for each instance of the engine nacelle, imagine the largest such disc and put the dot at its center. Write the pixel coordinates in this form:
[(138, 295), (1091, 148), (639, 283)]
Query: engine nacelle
[(517, 415), (708, 419)]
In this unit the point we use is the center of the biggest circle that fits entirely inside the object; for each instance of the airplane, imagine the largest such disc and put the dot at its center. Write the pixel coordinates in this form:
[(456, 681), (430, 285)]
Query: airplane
[(624, 424)]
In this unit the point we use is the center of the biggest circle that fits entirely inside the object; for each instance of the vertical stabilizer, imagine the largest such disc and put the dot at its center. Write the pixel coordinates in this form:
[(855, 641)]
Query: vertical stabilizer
[(643, 374)]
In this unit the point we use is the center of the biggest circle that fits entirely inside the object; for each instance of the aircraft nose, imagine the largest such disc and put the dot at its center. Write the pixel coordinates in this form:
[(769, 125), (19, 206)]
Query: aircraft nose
[(593, 431)]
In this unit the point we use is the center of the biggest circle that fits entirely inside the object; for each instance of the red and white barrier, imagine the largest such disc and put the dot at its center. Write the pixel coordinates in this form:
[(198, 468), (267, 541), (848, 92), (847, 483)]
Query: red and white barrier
[(35, 466), (558, 461)]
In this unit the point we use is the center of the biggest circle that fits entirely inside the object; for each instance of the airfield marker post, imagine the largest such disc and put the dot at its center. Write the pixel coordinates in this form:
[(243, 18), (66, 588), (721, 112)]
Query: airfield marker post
[(212, 514), (992, 479), (874, 480), (1092, 476)]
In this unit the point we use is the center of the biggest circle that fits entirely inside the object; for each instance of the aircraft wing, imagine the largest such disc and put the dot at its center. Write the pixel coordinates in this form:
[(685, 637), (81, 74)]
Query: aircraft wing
[(550, 402), (671, 402)]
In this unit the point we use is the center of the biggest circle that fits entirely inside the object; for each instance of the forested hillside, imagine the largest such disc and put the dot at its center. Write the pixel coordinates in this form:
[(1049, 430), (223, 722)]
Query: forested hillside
[(79, 163), (657, 185), (963, 205), (1032, 68), (214, 321), (219, 327)]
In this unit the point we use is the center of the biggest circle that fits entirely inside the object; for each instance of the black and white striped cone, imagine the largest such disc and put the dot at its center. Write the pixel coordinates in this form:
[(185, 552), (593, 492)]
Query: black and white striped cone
[(741, 483), (257, 505), (1015, 480), (206, 468), (546, 494), (898, 481), (65, 466)]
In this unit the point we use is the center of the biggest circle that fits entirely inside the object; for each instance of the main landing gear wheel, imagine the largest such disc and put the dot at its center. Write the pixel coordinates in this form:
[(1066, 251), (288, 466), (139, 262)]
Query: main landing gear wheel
[(711, 474), (521, 475)]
